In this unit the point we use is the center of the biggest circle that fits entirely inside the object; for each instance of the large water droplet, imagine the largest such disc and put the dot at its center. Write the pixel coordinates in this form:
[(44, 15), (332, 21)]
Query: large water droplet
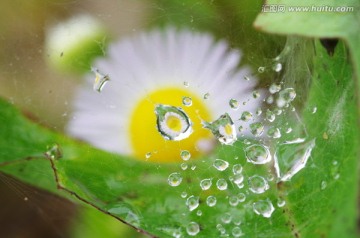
[(211, 201), (257, 154), (185, 155), (234, 104), (258, 184), (264, 208), (192, 202), (292, 157), (100, 80), (274, 132), (193, 229), (221, 184), (220, 164), (223, 129), (205, 184), (187, 101), (172, 122), (257, 128), (238, 179), (286, 96), (175, 179), (246, 116)]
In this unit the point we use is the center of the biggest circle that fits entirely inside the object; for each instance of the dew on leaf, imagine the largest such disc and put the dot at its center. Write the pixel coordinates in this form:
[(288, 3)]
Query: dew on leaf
[(257, 154), (221, 184), (54, 152), (257, 128), (238, 178), (237, 169), (237, 232), (199, 213), (270, 99), (281, 202), (258, 184), (285, 96), (192, 202), (223, 129), (185, 155), (261, 69), (233, 201), (220, 164), (205, 184), (172, 122), (184, 166), (246, 116), (274, 132), (193, 229), (277, 67), (270, 116), (184, 194), (211, 201), (323, 185), (264, 208), (175, 179), (241, 197), (226, 218), (274, 88)]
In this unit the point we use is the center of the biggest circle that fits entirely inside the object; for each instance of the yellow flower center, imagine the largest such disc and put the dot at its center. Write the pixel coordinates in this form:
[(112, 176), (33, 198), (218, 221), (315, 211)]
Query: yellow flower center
[(144, 136)]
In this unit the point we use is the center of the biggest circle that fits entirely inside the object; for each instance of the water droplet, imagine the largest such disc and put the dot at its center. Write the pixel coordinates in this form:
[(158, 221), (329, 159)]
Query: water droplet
[(277, 67), (192, 202), (274, 132), (257, 128), (256, 94), (187, 101), (241, 197), (183, 194), (220, 164), (53, 152), (176, 234), (323, 185), (199, 213), (241, 129), (257, 154), (193, 229), (281, 202), (234, 104), (172, 122), (258, 111), (286, 96), (237, 169), (175, 179), (238, 178), (337, 176), (270, 116), (270, 99), (270, 177), (100, 80), (211, 201), (292, 158), (148, 155), (257, 184), (185, 155), (184, 166), (264, 208), (261, 69), (277, 111), (223, 129), (186, 84), (246, 78), (193, 167), (274, 88), (288, 130), (313, 111), (233, 201), (205, 184), (226, 218), (221, 184), (206, 96), (246, 116)]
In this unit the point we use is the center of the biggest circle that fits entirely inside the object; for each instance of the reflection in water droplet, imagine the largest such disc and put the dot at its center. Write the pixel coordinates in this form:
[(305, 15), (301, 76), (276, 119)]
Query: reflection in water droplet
[(185, 155), (205, 184), (256, 94), (226, 218), (221, 184), (220, 164), (193, 229), (176, 234), (264, 208), (270, 116), (257, 184), (211, 201), (281, 202), (187, 101), (237, 169), (257, 154), (270, 99), (234, 104), (274, 88), (184, 166), (223, 129), (277, 111), (53, 152), (274, 132), (174, 179), (148, 155), (257, 128), (233, 201), (246, 116), (237, 232), (292, 158), (238, 179), (285, 96), (199, 213), (261, 69), (100, 80), (192, 202), (172, 122), (186, 84), (183, 194), (258, 111), (193, 167), (241, 197)]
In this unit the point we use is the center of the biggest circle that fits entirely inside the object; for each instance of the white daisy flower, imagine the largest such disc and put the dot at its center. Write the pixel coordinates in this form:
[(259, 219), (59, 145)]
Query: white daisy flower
[(178, 69)]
